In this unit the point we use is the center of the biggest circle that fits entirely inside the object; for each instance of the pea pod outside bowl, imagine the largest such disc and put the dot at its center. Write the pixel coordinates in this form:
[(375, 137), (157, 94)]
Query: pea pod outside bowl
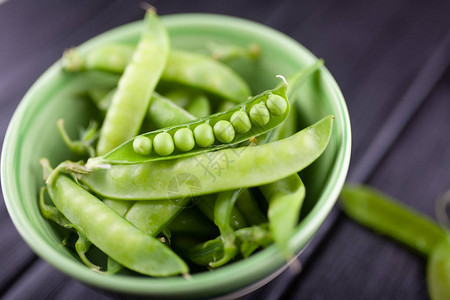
[(32, 134)]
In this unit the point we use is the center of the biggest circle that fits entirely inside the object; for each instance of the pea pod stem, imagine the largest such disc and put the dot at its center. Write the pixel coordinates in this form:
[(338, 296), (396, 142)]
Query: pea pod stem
[(152, 181), (391, 218)]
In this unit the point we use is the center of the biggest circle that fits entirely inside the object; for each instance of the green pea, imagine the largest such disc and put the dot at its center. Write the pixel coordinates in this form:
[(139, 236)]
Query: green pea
[(276, 104), (241, 121), (259, 114), (224, 131), (204, 135), (142, 145), (184, 139), (163, 144)]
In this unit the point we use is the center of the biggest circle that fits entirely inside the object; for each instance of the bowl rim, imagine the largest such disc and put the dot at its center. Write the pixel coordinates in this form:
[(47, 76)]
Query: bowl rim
[(263, 262)]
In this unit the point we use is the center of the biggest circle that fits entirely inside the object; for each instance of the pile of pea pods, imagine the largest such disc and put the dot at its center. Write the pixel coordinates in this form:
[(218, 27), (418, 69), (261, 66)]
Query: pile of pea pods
[(187, 171)]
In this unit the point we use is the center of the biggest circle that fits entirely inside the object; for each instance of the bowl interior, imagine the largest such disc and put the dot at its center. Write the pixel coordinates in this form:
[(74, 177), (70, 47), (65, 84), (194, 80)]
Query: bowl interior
[(32, 134)]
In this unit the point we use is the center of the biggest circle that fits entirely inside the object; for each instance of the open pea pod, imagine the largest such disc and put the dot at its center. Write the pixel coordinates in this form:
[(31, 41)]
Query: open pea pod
[(211, 172), (257, 116)]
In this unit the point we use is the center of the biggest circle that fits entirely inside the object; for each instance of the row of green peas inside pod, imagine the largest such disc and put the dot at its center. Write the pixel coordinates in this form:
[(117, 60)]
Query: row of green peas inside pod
[(254, 114)]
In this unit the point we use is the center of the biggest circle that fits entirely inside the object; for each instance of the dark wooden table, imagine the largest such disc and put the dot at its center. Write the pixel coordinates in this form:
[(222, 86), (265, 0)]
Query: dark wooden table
[(390, 59)]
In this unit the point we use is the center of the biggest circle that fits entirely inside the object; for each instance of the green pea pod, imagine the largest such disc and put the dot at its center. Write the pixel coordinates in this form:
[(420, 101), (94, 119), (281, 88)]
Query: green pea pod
[(181, 96), (112, 266), (52, 213), (101, 99), (199, 253), (199, 106), (185, 68), (206, 205), (97, 94), (250, 209), (153, 216), (132, 98), (252, 238), (127, 154), (222, 216), (227, 52), (82, 246), (164, 113), (438, 271), (206, 74), (211, 172), (285, 199), (388, 217), (225, 105), (111, 233), (109, 58)]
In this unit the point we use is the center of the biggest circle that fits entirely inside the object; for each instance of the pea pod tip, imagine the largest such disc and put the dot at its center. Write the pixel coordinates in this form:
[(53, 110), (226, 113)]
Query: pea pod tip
[(282, 78)]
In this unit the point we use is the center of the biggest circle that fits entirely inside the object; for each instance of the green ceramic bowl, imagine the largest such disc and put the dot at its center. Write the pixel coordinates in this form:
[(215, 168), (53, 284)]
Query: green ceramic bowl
[(32, 134)]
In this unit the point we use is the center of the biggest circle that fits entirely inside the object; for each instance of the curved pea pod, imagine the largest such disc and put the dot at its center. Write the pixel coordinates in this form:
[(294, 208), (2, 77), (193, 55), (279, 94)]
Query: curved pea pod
[(112, 234), (199, 106), (183, 67), (438, 271), (236, 120), (204, 73), (285, 198), (110, 58), (164, 113), (250, 209), (206, 206), (389, 217), (228, 52), (132, 98), (222, 216), (212, 172)]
